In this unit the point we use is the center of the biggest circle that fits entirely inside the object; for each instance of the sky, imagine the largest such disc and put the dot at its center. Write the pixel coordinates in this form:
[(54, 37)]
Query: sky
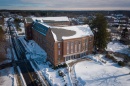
[(65, 4)]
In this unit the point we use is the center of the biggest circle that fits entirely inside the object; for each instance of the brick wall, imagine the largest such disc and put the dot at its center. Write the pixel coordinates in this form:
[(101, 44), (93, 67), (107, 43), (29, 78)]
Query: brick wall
[(28, 31)]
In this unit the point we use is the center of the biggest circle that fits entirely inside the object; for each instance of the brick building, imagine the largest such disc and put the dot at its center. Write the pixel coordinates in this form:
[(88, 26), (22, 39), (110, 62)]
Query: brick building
[(61, 43)]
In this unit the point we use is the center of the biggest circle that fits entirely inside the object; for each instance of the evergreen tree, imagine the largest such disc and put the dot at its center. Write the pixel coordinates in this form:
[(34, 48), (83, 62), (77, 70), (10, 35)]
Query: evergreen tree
[(1, 34), (99, 27), (124, 33)]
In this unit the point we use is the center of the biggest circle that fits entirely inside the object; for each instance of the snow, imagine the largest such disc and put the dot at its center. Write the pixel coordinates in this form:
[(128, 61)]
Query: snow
[(94, 74), (8, 57), (52, 75), (116, 46), (42, 19), (81, 31), (21, 76), (21, 27), (86, 73), (6, 19), (7, 77), (39, 55), (54, 35), (34, 51)]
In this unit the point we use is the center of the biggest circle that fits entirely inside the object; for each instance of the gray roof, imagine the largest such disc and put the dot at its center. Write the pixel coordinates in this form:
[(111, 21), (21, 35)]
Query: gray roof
[(70, 32), (62, 32)]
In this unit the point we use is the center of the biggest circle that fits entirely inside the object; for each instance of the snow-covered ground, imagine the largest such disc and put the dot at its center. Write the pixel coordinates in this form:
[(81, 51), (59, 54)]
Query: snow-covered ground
[(53, 76), (118, 47), (8, 57), (93, 73), (97, 72), (7, 77)]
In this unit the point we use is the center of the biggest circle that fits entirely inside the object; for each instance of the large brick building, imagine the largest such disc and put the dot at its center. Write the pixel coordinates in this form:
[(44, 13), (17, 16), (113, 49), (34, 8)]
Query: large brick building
[(60, 43)]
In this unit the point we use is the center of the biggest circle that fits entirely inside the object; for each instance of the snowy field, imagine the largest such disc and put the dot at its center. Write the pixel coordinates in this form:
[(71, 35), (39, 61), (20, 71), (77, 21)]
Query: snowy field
[(93, 73), (7, 77), (118, 47)]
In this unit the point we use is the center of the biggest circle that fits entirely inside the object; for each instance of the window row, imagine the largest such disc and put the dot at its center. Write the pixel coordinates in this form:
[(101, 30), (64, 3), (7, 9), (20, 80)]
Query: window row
[(74, 47)]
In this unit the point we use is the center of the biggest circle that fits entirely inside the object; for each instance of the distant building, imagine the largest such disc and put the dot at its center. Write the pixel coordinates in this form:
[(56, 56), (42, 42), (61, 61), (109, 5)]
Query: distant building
[(61, 43), (116, 20), (53, 21)]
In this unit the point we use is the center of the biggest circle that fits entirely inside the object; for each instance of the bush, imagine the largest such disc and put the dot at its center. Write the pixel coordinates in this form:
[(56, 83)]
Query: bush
[(60, 66), (55, 67), (121, 63), (126, 59), (61, 73), (111, 57)]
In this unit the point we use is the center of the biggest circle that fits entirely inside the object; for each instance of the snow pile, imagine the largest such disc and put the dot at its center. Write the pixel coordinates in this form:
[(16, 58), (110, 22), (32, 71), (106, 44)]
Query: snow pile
[(118, 47), (7, 77), (94, 74), (21, 27)]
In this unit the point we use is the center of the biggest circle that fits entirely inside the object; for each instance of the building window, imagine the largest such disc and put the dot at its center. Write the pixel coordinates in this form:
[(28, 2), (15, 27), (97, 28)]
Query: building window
[(90, 38), (79, 46), (76, 47), (59, 45), (72, 44), (67, 47), (86, 44), (59, 53)]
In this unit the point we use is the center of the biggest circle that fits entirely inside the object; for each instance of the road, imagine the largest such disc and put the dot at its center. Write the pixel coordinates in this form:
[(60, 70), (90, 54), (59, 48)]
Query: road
[(28, 72)]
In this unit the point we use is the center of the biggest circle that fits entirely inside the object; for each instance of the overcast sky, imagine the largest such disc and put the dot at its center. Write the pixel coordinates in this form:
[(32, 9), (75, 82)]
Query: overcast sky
[(65, 4)]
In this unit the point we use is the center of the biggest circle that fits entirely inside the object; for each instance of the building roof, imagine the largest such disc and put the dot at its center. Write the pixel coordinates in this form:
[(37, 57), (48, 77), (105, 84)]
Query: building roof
[(56, 19), (28, 20), (70, 32), (40, 27), (63, 33)]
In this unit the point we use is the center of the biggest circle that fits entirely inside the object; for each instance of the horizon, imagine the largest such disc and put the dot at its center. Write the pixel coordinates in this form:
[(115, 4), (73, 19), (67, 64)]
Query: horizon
[(58, 10)]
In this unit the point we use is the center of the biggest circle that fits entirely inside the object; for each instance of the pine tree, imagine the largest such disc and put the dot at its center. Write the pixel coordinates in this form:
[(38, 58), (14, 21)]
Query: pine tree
[(124, 33), (99, 27), (1, 34)]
